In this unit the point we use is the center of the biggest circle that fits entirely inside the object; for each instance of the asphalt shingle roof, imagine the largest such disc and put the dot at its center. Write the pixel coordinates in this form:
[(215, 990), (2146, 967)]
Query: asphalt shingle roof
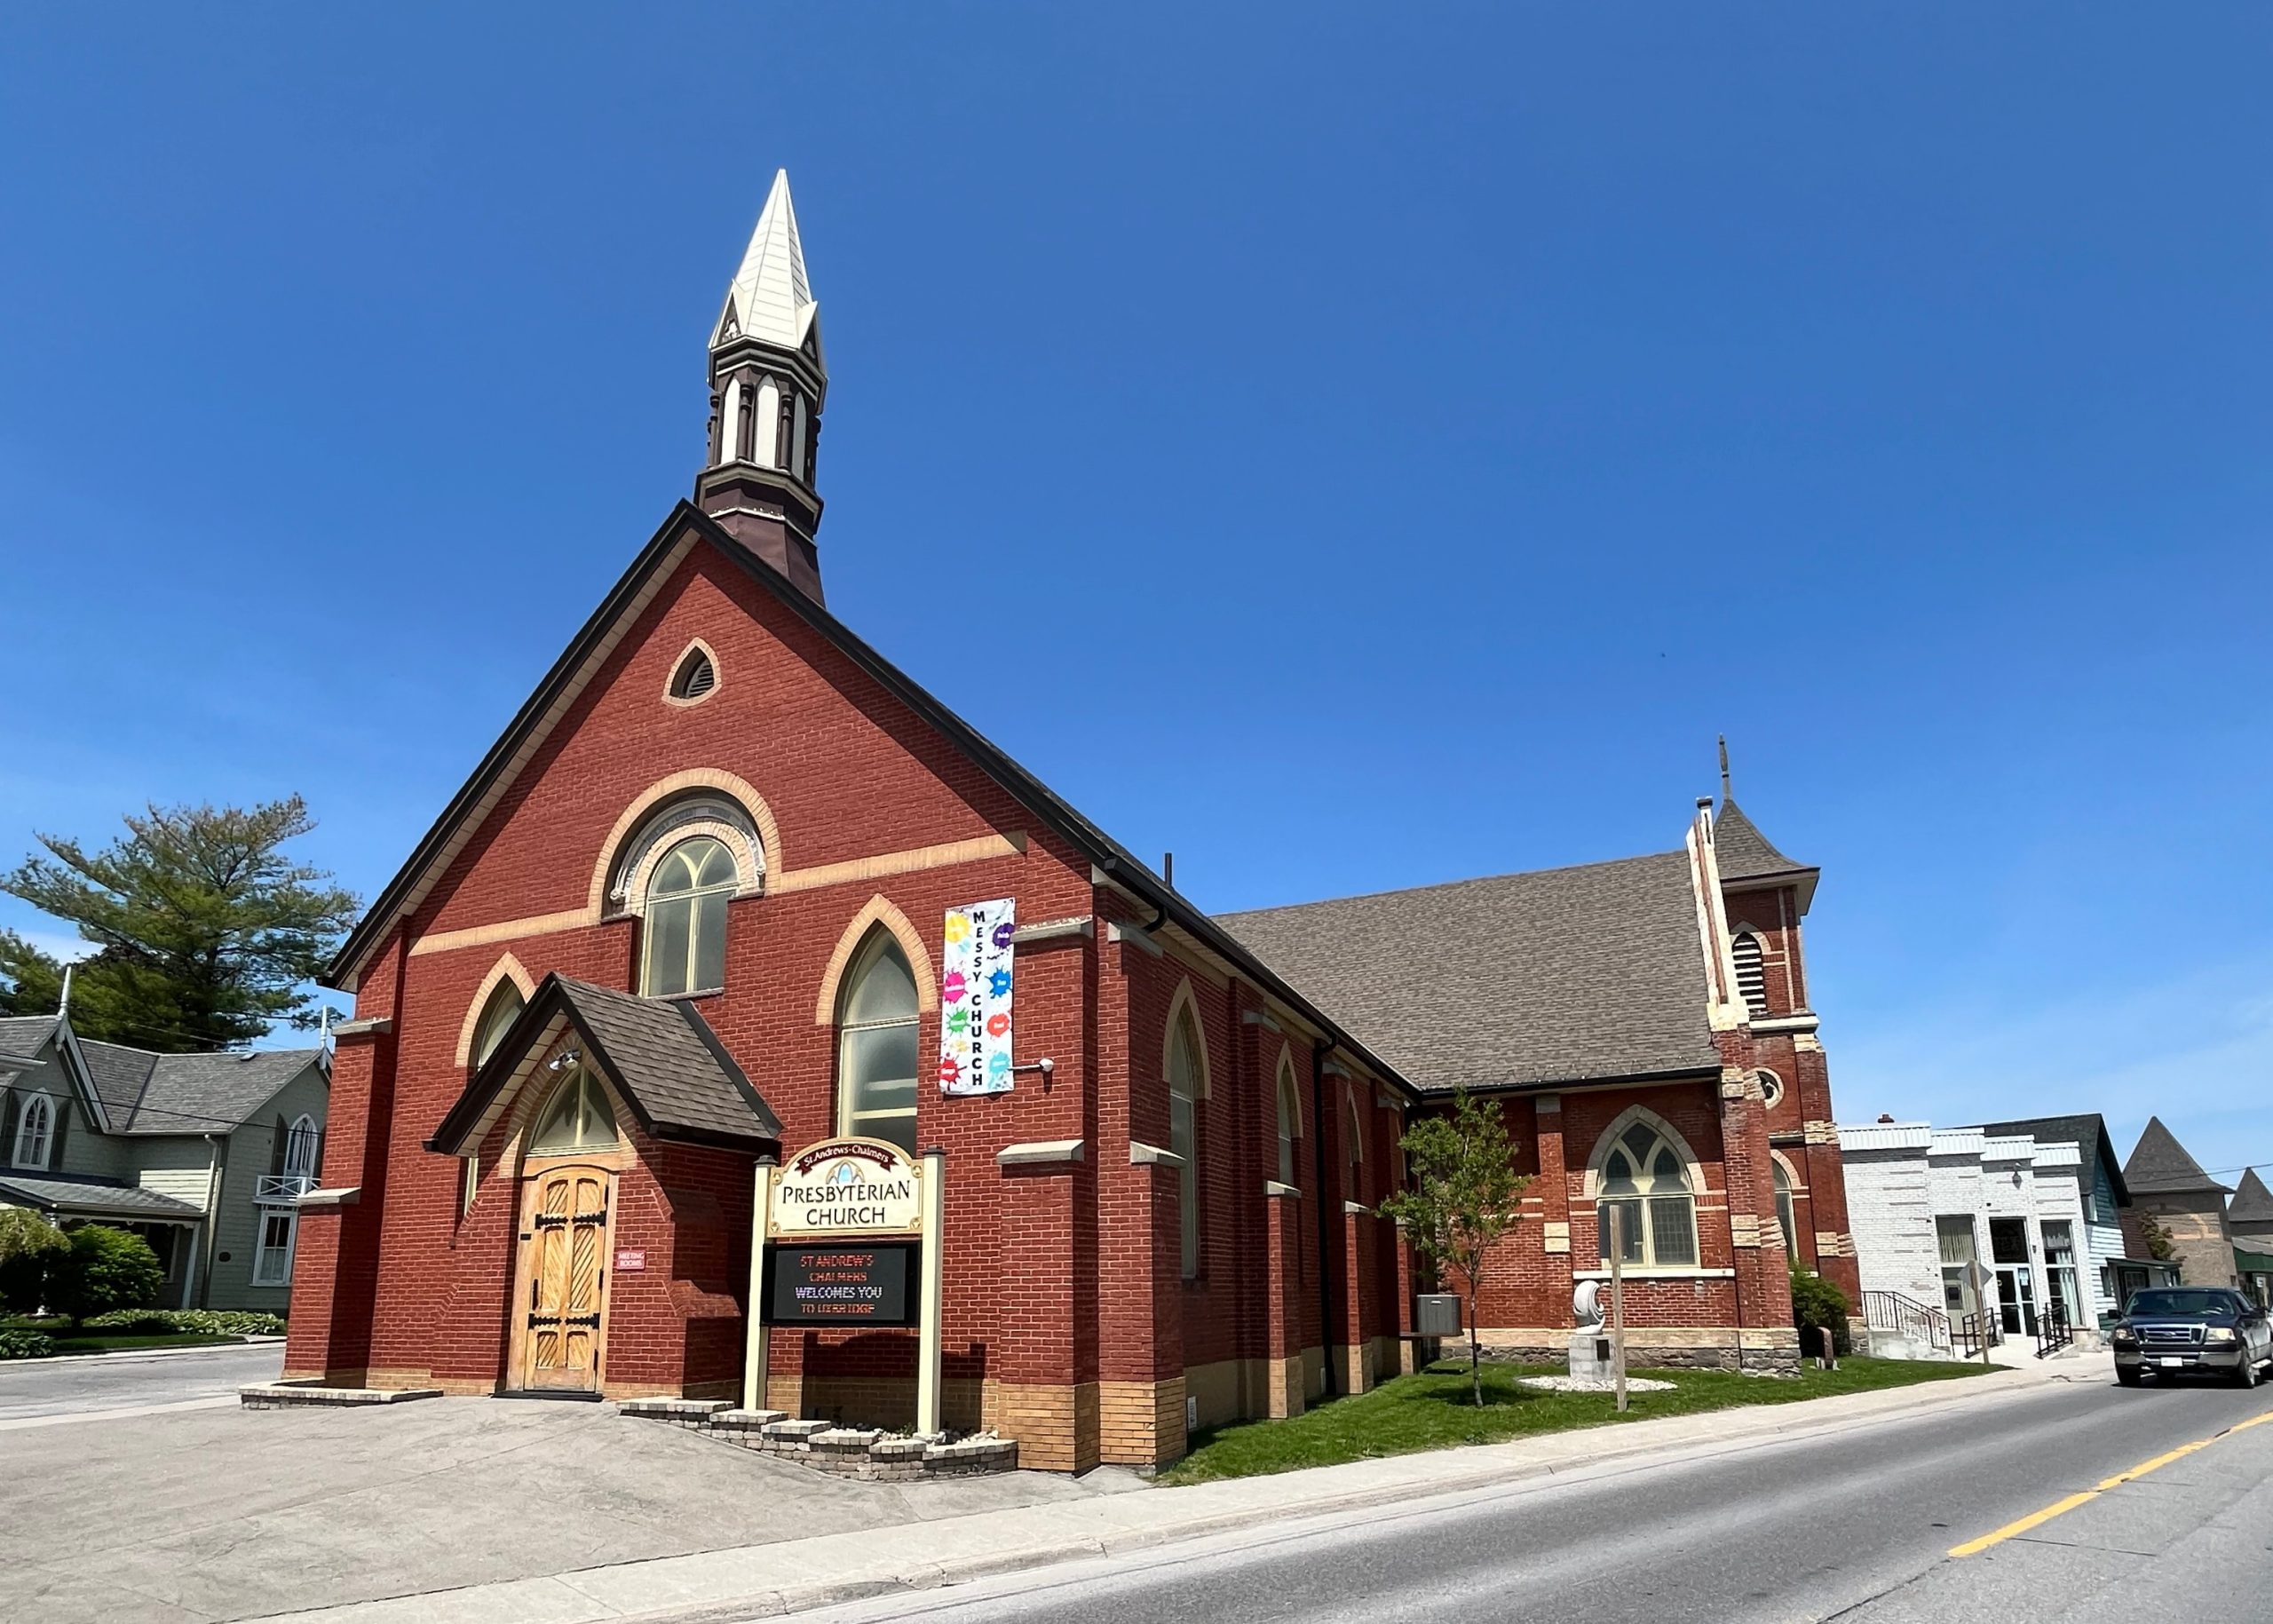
[(665, 1053), (2252, 1202), (660, 1053), (180, 1094), (2160, 1165), (1743, 851), (2088, 1133), (1557, 976), (23, 1037), (92, 1197)]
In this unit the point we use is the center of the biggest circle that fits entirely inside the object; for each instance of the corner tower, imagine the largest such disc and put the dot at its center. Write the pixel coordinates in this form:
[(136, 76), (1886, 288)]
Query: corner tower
[(768, 382)]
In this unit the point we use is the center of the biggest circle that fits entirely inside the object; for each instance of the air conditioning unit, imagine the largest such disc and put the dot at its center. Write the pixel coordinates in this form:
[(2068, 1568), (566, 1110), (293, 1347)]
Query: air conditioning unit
[(1436, 1314)]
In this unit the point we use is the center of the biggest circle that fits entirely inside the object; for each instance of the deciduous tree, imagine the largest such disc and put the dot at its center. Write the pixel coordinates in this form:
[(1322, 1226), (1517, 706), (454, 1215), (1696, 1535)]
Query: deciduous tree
[(1463, 1197)]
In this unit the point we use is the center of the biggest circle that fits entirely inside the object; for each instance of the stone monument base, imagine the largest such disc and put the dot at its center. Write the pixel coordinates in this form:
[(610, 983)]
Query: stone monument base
[(1590, 1359)]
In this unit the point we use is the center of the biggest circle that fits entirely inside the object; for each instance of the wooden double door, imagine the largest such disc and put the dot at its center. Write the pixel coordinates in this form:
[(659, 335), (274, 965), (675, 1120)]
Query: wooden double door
[(559, 1342)]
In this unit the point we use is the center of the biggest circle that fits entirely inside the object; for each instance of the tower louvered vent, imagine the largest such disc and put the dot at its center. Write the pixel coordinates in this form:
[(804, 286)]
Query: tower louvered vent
[(695, 676), (1751, 974)]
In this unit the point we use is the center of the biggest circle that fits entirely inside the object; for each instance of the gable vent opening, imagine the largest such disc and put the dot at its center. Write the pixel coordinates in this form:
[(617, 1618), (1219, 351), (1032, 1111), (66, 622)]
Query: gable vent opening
[(696, 675)]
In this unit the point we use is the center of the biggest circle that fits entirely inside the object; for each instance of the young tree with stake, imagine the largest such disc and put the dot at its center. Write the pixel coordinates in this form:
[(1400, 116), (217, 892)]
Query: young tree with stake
[(1463, 1197)]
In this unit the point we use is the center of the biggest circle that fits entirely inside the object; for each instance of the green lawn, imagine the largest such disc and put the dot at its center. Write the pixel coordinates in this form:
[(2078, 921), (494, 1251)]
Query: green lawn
[(1431, 1410), (120, 1341), (69, 1341)]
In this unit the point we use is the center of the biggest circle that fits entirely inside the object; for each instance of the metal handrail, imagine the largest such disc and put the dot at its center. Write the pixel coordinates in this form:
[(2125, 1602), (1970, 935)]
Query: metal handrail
[(2052, 1332), (1906, 1317)]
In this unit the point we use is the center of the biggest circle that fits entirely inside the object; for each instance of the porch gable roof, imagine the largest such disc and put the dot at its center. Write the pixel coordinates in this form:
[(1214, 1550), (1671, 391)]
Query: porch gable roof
[(665, 1062)]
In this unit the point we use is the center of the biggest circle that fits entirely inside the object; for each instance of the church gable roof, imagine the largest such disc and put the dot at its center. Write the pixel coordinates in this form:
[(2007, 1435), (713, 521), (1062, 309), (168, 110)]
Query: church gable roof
[(1557, 976), (2160, 1165), (579, 664)]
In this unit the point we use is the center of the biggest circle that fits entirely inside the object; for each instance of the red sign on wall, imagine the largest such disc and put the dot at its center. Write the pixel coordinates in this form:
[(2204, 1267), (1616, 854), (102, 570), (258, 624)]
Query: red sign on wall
[(631, 1262)]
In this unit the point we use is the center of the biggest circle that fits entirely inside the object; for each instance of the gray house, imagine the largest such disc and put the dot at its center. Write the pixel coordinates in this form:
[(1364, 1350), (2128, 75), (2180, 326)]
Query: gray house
[(205, 1156)]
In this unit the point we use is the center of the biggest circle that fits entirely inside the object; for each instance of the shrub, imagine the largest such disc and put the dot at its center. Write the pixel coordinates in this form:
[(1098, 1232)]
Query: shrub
[(106, 1269), (202, 1321), (29, 1247), (1817, 1302), (26, 1345)]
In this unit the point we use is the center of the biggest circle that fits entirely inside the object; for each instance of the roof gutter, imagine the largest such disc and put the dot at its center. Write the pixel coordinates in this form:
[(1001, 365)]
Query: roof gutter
[(1142, 884)]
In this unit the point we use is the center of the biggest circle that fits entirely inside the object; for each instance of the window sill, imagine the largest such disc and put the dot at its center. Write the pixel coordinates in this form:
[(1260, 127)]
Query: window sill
[(1640, 1271), (700, 991)]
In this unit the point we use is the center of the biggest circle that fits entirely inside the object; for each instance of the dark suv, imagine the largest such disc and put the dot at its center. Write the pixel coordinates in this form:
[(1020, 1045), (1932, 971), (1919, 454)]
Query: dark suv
[(2191, 1330)]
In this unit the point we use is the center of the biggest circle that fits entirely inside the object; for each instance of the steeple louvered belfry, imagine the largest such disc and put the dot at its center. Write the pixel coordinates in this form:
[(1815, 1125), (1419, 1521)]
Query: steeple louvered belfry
[(768, 382)]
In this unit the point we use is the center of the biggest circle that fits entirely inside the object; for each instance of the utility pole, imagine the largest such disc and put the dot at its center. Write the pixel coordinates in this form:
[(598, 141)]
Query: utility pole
[(1618, 1301)]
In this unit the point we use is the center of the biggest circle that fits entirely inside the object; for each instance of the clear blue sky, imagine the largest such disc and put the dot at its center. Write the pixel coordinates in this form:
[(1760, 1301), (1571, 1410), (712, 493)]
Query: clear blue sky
[(1395, 449)]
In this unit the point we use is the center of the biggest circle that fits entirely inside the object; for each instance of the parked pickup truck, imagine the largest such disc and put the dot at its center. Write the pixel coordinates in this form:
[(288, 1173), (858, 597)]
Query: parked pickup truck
[(2191, 1330)]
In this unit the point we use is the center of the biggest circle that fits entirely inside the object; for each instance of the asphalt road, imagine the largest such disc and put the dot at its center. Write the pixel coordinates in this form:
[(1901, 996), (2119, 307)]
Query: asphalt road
[(1856, 1524), (49, 1392)]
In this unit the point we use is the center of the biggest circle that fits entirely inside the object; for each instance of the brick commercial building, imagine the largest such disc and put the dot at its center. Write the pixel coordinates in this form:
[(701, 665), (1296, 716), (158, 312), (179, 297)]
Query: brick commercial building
[(688, 912)]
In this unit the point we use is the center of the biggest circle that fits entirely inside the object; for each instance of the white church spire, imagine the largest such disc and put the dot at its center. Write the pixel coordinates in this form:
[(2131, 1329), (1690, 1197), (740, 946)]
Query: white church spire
[(768, 384), (769, 299)]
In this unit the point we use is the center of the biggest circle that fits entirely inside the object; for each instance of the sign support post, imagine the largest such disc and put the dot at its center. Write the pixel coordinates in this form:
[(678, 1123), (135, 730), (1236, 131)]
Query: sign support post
[(758, 1343), (1618, 1300), (935, 1271)]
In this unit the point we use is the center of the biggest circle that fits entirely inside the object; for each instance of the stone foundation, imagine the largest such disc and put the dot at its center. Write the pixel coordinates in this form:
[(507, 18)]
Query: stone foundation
[(1657, 1348), (867, 1454)]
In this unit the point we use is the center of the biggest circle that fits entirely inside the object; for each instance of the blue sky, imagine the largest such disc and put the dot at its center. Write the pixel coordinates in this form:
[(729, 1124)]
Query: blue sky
[(1390, 453)]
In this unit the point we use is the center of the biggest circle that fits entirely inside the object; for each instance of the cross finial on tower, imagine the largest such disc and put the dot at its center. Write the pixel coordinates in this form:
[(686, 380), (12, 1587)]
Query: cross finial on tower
[(1724, 769)]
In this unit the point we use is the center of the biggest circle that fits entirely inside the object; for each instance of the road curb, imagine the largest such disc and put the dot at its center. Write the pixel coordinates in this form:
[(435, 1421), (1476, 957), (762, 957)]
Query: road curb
[(779, 1600)]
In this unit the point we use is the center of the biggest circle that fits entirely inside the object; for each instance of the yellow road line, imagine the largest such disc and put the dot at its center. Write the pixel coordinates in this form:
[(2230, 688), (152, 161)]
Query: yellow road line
[(2060, 1508)]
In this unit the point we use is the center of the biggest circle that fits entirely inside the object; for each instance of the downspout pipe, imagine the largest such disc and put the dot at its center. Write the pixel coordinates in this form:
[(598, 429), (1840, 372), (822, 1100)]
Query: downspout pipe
[(1319, 1205)]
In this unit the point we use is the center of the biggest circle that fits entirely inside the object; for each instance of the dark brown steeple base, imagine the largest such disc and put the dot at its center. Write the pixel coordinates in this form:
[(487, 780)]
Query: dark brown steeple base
[(773, 516)]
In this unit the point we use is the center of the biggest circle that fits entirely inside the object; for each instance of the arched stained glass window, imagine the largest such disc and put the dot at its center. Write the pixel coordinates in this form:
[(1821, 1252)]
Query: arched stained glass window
[(685, 935), (876, 1046), (1644, 1179), (577, 1117)]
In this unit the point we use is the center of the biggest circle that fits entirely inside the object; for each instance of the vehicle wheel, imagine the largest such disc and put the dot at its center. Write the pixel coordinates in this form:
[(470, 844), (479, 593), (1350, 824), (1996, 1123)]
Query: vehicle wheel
[(2245, 1373), (2127, 1375)]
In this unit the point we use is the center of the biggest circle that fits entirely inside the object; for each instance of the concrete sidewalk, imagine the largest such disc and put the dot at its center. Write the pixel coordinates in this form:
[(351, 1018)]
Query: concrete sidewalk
[(793, 1575)]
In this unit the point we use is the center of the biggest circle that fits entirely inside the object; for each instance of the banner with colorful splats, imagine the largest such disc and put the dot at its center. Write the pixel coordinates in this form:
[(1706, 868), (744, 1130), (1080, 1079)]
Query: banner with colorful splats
[(975, 999)]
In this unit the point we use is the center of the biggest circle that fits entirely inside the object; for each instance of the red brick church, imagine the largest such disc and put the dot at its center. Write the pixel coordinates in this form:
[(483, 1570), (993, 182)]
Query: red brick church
[(687, 913)]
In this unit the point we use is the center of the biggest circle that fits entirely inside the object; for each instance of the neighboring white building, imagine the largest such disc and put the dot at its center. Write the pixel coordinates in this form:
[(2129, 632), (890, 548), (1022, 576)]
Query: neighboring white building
[(1925, 1203)]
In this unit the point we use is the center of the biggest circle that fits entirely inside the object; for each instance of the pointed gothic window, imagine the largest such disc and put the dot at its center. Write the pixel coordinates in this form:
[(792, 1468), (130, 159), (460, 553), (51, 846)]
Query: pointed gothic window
[(1290, 1120), (35, 1132), (1752, 973), (1646, 1180), (1784, 1213), (696, 675), (685, 936), (876, 1046), (1184, 1134), (497, 1018)]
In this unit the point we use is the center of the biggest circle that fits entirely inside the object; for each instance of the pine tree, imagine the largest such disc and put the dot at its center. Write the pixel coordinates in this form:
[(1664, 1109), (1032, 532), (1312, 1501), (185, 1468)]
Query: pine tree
[(206, 932)]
